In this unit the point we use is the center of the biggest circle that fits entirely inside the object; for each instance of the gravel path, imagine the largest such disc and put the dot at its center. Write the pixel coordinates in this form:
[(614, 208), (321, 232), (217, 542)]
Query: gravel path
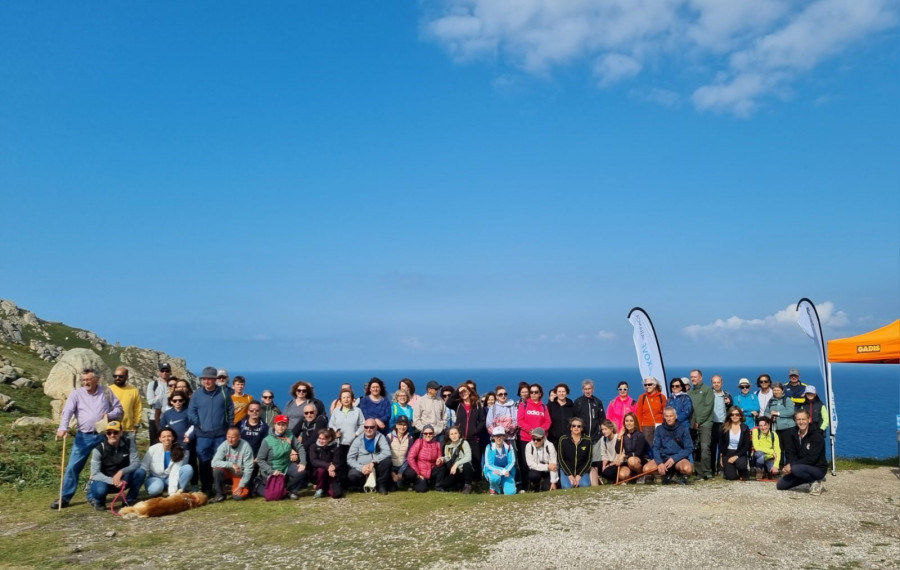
[(855, 523)]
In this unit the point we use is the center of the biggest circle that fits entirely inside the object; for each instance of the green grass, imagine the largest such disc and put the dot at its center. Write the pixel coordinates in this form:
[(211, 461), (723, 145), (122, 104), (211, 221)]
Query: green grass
[(853, 463)]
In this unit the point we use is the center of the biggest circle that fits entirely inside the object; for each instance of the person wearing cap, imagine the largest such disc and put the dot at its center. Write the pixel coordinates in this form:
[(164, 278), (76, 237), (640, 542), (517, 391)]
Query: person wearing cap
[(240, 399), (232, 462), (540, 457), (88, 404), (211, 413), (114, 463), (429, 409), (804, 457), (747, 402), (500, 463), (818, 415), (795, 389), (157, 392), (222, 378), (130, 398), (423, 458), (369, 454), (282, 454)]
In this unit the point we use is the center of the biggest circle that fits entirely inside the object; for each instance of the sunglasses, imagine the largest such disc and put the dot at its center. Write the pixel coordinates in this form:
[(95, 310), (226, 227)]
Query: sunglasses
[(735, 415), (745, 387), (309, 413), (301, 391), (113, 432), (120, 375), (253, 411), (267, 397), (623, 389), (534, 392), (579, 426), (501, 394), (177, 401), (368, 427), (537, 439), (427, 433), (172, 385), (765, 381), (221, 377), (648, 385)]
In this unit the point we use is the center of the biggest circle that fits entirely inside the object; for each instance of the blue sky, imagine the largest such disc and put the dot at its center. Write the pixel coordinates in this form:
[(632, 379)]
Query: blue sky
[(302, 185)]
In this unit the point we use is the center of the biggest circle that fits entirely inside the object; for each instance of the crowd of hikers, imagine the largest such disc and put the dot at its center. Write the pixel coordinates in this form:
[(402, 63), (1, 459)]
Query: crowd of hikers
[(227, 443)]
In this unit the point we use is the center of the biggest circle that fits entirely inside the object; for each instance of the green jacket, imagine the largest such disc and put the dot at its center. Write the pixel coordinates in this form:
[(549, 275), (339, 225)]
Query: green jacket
[(703, 399)]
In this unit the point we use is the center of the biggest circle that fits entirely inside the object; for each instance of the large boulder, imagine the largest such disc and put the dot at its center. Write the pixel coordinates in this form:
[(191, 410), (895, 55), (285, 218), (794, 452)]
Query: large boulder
[(32, 421), (65, 375)]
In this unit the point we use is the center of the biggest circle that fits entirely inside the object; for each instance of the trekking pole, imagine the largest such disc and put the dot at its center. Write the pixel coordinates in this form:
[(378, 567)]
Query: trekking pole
[(62, 471)]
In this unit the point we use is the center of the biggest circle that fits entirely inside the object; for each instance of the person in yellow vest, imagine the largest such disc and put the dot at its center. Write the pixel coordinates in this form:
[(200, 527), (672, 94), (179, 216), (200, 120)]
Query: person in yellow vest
[(130, 397), (766, 449), (241, 400)]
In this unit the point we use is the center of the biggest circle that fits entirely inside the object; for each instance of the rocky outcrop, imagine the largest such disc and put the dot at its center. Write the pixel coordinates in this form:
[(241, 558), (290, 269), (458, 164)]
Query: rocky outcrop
[(65, 376), (32, 421)]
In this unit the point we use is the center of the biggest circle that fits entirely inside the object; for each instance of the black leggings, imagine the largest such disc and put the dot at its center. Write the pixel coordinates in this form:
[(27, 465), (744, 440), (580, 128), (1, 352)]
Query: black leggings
[(737, 469)]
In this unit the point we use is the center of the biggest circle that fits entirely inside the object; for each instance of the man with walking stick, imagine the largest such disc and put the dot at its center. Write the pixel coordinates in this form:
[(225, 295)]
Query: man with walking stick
[(91, 405)]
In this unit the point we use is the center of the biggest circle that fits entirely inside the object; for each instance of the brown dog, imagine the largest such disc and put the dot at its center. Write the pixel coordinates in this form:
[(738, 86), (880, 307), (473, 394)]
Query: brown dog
[(162, 506)]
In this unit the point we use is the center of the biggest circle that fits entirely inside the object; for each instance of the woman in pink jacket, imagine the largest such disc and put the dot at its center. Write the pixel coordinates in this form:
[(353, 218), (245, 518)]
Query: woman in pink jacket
[(532, 414), (620, 405)]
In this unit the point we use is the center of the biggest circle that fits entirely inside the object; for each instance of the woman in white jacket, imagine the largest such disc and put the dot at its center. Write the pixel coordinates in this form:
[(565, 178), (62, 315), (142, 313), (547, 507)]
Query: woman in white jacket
[(166, 464)]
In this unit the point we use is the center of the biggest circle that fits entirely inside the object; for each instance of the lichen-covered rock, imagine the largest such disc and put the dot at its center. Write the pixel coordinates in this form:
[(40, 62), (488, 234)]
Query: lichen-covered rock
[(32, 421)]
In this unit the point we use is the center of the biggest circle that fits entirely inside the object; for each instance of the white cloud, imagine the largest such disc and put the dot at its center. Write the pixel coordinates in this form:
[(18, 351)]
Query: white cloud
[(748, 49), (605, 335), (662, 97), (615, 67), (779, 326)]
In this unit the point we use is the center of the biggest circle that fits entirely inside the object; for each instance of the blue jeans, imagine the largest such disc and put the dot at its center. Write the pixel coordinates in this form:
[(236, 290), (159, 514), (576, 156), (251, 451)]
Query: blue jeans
[(583, 481), (760, 461), (133, 480), (81, 451), (156, 485)]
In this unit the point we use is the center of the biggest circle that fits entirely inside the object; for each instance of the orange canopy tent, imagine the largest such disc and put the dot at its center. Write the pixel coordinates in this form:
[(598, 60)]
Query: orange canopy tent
[(878, 346)]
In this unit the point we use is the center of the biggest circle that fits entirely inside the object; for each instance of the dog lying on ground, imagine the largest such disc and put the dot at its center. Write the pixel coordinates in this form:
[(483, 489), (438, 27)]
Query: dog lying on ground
[(162, 506)]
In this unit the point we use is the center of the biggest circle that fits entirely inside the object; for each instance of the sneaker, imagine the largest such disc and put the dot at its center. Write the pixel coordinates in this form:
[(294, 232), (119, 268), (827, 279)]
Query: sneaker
[(641, 481), (97, 505), (493, 492), (815, 488), (293, 496), (467, 489), (217, 499), (668, 478), (521, 491), (822, 486), (683, 480), (55, 505), (319, 494)]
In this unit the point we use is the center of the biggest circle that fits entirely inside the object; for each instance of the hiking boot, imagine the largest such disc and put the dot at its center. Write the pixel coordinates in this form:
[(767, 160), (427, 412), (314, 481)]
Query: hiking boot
[(683, 480), (56, 506), (466, 489), (97, 505), (319, 494), (815, 488), (667, 479), (760, 474)]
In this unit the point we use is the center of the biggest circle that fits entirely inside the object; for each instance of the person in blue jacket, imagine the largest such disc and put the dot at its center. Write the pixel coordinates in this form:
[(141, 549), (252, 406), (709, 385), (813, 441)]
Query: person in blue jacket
[(679, 399), (211, 413), (375, 405), (672, 446), (747, 402)]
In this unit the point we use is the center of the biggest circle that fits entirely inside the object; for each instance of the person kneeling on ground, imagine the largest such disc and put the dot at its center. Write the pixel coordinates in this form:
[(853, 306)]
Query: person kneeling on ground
[(166, 464), (280, 453), (734, 445), (423, 457), (114, 464), (575, 456), (540, 456), (233, 461), (457, 465), (672, 446), (325, 461), (636, 451), (500, 464), (369, 458), (804, 452), (767, 448)]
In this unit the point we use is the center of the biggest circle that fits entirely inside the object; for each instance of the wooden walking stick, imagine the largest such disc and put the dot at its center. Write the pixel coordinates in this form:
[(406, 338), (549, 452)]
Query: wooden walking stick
[(62, 471)]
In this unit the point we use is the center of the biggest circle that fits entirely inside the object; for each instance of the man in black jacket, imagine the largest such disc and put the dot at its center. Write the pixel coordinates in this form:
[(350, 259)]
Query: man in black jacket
[(114, 463), (590, 409), (805, 456)]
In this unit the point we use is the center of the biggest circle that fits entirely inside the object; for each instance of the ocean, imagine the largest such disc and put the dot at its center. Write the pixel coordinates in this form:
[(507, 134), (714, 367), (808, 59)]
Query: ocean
[(867, 395)]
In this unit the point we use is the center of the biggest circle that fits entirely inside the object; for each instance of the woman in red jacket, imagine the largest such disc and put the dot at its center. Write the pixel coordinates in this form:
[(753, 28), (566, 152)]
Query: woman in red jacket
[(424, 455), (532, 414)]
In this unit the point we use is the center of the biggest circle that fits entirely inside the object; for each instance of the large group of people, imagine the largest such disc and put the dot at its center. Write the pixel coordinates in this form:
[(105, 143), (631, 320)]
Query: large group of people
[(229, 444)]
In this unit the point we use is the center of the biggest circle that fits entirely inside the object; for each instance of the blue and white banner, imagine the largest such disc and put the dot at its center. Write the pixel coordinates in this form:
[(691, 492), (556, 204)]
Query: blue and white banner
[(808, 319), (647, 347)]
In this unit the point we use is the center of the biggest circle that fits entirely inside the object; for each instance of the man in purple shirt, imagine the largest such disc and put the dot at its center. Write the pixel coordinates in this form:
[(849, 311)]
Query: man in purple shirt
[(88, 404)]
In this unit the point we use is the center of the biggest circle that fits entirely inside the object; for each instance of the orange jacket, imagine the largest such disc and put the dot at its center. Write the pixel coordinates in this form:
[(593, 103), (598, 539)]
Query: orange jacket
[(650, 409)]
